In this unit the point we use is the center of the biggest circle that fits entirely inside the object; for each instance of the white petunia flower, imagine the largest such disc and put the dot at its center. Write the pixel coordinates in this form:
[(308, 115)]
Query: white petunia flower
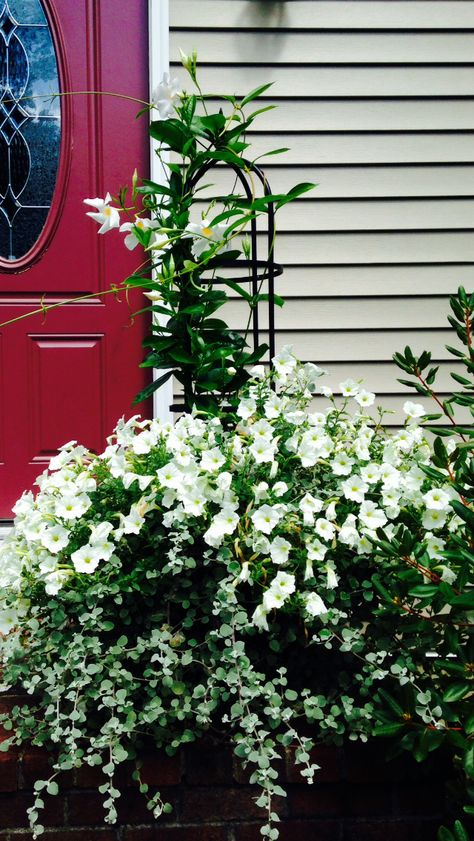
[(414, 410), (310, 506), (279, 489), (365, 398), (259, 618), (107, 217), (314, 604), (266, 518), (371, 516), (246, 408), (342, 465), (263, 450), (72, 507), (349, 388), (390, 476), (86, 559), (55, 538), (279, 550), (433, 518), (332, 579), (348, 533), (435, 546), (324, 528), (316, 550), (212, 460), (355, 488), (437, 499), (370, 473), (225, 522)]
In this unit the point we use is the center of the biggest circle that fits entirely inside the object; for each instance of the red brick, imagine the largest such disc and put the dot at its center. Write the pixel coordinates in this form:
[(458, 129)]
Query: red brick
[(158, 769), (8, 772), (13, 810), (97, 834), (326, 756), (132, 807), (367, 800), (227, 804), (176, 833), (36, 764), (391, 830), (297, 831), (208, 766), (242, 775), (311, 801), (423, 799)]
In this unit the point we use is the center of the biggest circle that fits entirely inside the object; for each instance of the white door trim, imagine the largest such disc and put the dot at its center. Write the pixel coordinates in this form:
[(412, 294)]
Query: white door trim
[(159, 58)]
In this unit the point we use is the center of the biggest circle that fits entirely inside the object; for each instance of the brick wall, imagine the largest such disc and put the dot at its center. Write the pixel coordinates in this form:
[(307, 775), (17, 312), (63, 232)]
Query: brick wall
[(357, 797)]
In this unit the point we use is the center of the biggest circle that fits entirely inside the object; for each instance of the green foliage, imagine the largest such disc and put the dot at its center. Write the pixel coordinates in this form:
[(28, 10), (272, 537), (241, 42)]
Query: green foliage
[(436, 618), (189, 246)]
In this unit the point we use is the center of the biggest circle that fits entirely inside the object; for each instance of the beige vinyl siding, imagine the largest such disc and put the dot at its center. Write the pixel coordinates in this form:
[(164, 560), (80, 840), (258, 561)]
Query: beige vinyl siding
[(376, 104)]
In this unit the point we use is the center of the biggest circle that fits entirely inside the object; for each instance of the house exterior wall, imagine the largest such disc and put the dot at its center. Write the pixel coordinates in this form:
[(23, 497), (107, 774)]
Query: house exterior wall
[(375, 103)]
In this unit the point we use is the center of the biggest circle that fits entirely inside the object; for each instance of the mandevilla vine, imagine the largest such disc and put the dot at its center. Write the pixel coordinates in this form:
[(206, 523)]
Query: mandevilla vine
[(189, 239)]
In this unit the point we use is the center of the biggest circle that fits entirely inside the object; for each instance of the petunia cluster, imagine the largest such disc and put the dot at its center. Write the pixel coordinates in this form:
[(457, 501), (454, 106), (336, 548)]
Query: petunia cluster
[(300, 485)]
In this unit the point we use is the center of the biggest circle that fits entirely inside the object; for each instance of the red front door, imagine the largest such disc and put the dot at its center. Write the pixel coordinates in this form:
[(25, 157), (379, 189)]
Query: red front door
[(72, 373)]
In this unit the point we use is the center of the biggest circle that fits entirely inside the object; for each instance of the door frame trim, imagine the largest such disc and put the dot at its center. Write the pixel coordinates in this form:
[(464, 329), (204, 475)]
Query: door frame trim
[(159, 63)]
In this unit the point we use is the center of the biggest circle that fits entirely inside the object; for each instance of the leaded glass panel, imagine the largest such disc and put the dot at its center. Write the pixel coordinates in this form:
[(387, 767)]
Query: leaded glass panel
[(30, 125)]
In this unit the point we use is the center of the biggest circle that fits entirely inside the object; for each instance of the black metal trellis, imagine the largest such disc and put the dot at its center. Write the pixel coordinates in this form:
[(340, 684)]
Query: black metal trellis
[(259, 271)]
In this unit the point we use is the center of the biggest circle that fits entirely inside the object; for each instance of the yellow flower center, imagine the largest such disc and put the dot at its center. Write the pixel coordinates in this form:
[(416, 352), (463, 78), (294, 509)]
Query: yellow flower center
[(207, 232), (107, 211)]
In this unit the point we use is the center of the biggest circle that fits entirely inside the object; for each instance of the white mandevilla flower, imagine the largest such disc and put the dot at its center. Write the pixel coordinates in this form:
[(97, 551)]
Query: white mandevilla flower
[(205, 235), (107, 217), (166, 96), (131, 229)]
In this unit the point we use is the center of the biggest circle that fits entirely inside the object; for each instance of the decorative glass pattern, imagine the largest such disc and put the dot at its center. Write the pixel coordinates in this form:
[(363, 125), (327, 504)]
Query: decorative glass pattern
[(30, 125)]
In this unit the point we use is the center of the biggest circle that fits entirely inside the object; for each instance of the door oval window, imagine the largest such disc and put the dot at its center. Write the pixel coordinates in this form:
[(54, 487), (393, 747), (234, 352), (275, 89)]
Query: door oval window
[(30, 125)]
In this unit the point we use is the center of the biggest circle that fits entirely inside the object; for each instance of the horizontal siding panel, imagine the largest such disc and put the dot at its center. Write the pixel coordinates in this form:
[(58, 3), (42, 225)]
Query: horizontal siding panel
[(376, 215), (325, 48), (349, 248), (381, 377), (336, 81), (327, 346), (373, 281), (308, 14), (367, 148), (361, 181), (334, 314), (370, 215), (365, 115)]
